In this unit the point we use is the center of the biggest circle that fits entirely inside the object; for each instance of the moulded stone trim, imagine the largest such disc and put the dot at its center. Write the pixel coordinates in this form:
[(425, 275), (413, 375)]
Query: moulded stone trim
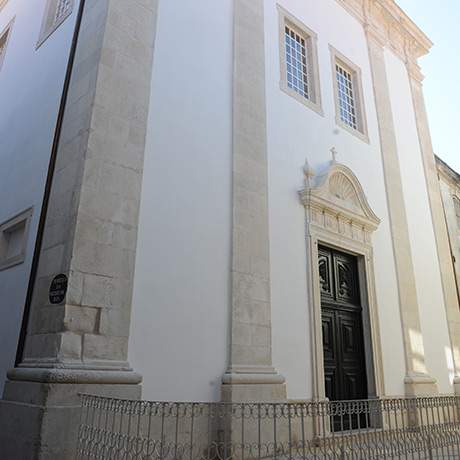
[(311, 40), (74, 376), (392, 24), (448, 174), (343, 201), (339, 193), (20, 221), (50, 23), (408, 298), (250, 330), (361, 132)]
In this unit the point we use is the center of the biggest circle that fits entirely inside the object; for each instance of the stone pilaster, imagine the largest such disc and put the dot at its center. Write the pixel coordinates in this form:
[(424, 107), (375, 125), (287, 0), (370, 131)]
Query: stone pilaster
[(446, 266), (80, 344), (417, 381), (250, 376)]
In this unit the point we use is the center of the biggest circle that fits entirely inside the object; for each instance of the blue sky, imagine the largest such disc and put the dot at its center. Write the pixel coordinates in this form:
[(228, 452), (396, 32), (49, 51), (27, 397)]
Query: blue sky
[(440, 20)]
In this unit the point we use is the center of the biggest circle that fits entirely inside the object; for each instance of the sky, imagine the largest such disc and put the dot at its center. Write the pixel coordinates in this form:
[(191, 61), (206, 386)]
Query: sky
[(440, 20)]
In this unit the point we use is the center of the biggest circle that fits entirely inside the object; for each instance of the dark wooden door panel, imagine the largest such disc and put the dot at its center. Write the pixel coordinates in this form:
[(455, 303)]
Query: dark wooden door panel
[(346, 279), (343, 341), (329, 339), (325, 274), (330, 378)]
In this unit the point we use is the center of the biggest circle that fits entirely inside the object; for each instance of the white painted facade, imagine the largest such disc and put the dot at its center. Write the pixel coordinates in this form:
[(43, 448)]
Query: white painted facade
[(295, 133), (31, 83), (182, 299), (182, 294), (423, 245)]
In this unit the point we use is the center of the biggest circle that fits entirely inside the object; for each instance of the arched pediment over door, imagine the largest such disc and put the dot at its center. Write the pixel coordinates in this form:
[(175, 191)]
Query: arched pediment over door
[(339, 215), (336, 201)]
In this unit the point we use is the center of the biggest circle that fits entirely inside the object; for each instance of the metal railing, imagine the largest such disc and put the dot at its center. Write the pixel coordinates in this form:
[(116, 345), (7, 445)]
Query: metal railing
[(397, 428)]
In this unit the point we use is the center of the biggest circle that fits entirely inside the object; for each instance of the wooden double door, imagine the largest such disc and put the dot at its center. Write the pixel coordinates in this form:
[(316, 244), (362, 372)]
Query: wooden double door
[(342, 324)]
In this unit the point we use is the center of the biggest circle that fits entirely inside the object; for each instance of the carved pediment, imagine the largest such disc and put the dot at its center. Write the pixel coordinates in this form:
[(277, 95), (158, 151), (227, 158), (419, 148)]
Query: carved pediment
[(342, 190), (336, 200)]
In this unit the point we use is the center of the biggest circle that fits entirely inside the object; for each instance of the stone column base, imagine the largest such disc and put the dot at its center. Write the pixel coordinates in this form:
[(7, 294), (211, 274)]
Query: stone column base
[(253, 384), (253, 393), (457, 385), (39, 420), (420, 385)]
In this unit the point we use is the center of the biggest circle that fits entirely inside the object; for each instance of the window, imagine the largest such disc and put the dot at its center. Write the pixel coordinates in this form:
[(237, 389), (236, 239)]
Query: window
[(296, 62), (299, 61), (457, 210), (62, 9), (350, 113), (4, 38), (13, 239), (346, 94), (56, 12)]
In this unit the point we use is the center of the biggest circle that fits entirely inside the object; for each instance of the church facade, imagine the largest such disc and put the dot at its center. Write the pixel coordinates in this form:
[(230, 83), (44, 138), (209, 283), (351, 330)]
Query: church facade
[(205, 201)]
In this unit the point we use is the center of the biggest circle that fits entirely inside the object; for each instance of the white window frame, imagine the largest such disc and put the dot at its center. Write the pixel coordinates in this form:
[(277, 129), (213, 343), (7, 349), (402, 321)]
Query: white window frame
[(6, 31), (50, 22), (22, 219), (311, 39), (361, 130)]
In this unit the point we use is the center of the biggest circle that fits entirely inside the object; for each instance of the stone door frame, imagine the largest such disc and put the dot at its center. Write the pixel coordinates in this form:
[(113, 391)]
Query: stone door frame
[(338, 223)]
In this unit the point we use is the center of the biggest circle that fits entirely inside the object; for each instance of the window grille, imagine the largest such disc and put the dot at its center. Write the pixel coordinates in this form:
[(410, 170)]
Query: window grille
[(62, 8), (296, 62), (56, 12), (347, 96), (4, 37)]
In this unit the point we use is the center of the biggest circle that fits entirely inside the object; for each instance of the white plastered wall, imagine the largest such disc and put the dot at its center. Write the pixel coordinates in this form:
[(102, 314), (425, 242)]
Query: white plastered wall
[(181, 294), (181, 305), (31, 83), (294, 133), (423, 245)]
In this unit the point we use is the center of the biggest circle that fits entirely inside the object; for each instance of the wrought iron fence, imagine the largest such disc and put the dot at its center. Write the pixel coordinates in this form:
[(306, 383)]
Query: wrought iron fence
[(398, 428)]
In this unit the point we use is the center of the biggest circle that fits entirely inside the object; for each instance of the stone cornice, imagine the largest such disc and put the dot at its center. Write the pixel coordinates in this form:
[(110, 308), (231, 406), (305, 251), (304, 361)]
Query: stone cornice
[(335, 201), (385, 20), (448, 174)]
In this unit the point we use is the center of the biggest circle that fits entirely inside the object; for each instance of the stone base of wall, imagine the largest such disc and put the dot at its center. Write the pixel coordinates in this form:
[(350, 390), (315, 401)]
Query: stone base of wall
[(457, 385), (420, 385), (39, 421), (255, 392)]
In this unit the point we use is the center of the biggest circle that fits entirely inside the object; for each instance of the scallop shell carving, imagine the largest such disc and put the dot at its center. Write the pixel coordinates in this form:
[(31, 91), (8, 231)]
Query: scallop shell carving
[(342, 188)]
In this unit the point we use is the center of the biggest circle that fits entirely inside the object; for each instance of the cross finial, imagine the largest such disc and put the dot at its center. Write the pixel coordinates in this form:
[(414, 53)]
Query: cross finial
[(334, 155)]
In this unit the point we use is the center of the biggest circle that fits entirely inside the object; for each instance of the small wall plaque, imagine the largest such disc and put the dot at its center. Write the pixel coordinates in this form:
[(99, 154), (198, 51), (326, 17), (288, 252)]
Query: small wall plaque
[(58, 289)]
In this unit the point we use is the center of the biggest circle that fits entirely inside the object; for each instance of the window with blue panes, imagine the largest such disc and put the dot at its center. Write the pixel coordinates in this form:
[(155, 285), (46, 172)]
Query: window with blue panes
[(297, 72), (346, 93)]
